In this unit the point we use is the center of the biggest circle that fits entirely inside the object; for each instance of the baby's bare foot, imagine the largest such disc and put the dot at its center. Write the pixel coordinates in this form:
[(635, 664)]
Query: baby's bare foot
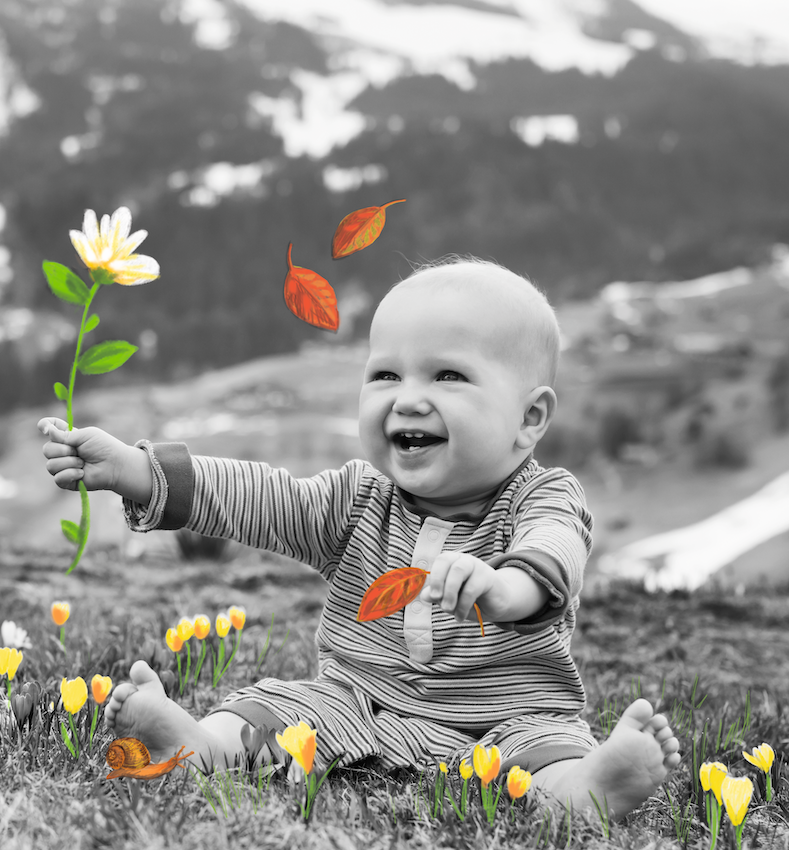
[(141, 709), (625, 770)]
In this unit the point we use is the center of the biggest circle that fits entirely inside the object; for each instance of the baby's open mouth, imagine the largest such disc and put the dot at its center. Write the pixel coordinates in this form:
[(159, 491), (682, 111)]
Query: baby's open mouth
[(411, 440)]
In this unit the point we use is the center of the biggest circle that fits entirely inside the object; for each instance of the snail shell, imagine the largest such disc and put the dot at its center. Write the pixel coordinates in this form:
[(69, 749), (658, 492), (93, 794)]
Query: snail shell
[(127, 753)]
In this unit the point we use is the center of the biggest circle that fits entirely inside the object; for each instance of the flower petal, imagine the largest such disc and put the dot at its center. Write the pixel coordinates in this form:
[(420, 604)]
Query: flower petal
[(85, 248), (90, 227), (126, 248), (120, 227), (134, 270)]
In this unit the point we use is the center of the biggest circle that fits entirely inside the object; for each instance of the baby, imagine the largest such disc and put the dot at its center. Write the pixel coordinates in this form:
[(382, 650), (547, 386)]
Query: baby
[(457, 392)]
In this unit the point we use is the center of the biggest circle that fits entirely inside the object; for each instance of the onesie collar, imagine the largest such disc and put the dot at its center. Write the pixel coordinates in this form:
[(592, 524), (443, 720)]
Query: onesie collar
[(464, 516)]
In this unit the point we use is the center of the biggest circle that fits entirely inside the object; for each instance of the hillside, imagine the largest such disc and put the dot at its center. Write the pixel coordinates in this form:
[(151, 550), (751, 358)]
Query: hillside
[(669, 165)]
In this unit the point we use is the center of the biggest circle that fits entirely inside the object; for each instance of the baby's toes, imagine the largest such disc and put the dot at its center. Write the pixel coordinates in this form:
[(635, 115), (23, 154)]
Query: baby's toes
[(117, 699), (664, 734)]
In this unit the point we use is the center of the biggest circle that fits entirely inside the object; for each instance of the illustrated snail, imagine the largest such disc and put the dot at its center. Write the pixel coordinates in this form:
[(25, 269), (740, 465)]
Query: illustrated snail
[(130, 757)]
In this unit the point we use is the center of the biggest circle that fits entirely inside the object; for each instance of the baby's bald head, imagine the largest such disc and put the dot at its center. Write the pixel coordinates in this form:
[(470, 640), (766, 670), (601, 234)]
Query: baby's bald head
[(527, 333)]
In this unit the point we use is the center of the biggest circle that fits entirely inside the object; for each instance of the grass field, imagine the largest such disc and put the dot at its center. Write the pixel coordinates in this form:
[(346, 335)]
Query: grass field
[(712, 662)]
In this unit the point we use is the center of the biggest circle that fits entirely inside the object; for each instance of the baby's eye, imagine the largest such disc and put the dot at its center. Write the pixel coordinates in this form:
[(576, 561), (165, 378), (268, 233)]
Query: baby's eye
[(384, 376), (450, 375)]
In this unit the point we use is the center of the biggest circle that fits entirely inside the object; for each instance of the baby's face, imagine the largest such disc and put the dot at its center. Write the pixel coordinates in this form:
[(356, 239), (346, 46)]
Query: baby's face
[(440, 407)]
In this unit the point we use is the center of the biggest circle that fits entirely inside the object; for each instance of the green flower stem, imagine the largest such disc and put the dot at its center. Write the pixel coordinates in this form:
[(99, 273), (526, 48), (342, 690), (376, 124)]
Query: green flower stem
[(8, 687), (74, 735), (188, 661), (84, 523), (200, 660), (63, 637), (768, 787), (464, 799), (93, 728), (219, 661), (489, 802), (73, 377), (738, 832), (180, 675), (236, 643)]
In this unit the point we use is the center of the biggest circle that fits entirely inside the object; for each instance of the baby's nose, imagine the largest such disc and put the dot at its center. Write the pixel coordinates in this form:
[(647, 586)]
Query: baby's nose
[(411, 398)]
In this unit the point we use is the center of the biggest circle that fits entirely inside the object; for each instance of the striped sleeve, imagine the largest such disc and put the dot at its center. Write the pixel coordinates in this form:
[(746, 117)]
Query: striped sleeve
[(551, 518), (258, 505)]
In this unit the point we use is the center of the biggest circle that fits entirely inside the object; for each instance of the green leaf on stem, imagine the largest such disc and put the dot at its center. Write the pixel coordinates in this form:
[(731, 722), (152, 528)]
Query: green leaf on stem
[(61, 391), (65, 284), (84, 525), (105, 357), (70, 531), (67, 739), (91, 324)]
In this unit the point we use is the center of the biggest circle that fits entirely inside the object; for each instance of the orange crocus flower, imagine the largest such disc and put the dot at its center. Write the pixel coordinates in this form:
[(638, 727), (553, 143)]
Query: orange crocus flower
[(173, 640), (202, 626), (60, 612), (518, 782), (237, 617), (101, 687)]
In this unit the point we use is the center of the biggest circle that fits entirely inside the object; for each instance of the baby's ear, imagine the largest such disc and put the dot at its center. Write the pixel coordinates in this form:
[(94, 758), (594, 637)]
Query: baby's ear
[(539, 410)]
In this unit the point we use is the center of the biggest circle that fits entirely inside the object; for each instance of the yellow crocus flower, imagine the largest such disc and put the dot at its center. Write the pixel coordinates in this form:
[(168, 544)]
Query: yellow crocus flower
[(101, 687), (712, 774), (110, 247), (185, 629), (443, 767), (763, 757), (202, 626), (237, 617), (465, 769), (60, 612), (736, 793), (4, 653), (222, 625), (300, 742), (487, 763), (14, 660), (173, 640), (74, 693), (518, 782)]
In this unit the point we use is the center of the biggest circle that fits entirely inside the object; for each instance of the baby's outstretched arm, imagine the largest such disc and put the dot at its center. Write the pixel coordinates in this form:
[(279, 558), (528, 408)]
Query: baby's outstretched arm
[(458, 580), (97, 458)]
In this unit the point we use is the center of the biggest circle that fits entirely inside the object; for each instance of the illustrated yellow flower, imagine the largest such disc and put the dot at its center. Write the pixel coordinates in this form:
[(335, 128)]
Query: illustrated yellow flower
[(202, 626), (4, 653), (712, 774), (185, 629), (736, 793), (443, 767), (487, 763), (300, 742), (237, 617), (222, 625), (60, 612), (74, 693), (763, 757), (14, 660), (173, 641), (101, 687), (518, 782), (110, 247), (465, 769)]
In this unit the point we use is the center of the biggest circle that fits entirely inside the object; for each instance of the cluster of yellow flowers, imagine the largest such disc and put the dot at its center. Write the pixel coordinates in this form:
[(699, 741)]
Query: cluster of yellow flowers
[(200, 627), (733, 792)]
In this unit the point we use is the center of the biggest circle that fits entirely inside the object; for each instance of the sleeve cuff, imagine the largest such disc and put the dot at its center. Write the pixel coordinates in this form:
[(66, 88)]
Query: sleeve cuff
[(171, 494), (544, 569)]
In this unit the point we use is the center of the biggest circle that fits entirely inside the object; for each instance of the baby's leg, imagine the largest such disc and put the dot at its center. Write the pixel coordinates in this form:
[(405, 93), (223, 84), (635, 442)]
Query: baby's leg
[(141, 709), (623, 771)]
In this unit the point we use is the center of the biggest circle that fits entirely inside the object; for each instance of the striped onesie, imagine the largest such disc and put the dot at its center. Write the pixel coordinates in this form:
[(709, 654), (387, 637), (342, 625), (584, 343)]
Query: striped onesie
[(415, 687)]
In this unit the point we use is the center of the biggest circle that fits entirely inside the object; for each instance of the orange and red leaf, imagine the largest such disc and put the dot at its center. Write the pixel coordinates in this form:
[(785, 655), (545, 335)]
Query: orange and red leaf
[(359, 229), (310, 297), (391, 592)]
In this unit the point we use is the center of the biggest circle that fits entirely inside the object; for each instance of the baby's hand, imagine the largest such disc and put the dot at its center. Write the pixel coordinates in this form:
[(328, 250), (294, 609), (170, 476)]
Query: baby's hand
[(87, 454), (456, 581)]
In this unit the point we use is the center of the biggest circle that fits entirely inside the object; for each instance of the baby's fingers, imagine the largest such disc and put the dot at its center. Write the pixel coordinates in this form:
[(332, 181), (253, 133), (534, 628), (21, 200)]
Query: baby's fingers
[(67, 478), (46, 425)]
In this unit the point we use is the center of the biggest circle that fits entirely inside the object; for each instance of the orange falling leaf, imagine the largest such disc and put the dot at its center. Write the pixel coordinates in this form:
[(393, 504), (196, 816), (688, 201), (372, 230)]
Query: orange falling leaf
[(310, 297), (393, 591), (359, 229)]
